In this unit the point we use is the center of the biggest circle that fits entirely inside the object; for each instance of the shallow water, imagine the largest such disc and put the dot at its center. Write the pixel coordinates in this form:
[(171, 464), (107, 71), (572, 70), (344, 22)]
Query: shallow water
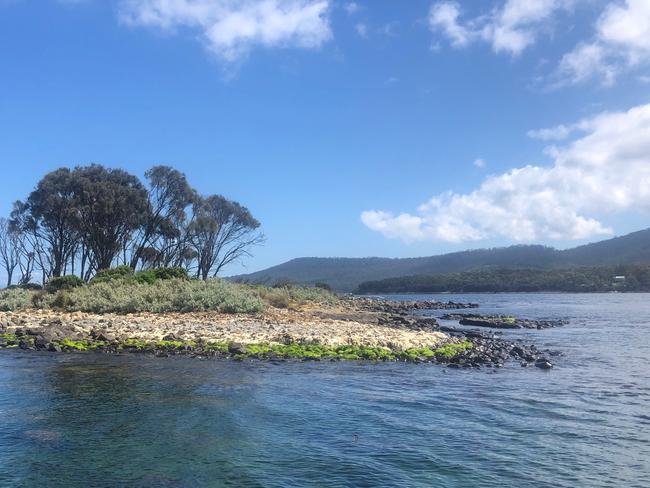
[(93, 420)]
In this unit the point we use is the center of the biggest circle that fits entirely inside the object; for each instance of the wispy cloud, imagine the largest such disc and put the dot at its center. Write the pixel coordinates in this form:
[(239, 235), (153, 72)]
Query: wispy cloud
[(511, 28), (605, 170), (230, 29), (621, 43)]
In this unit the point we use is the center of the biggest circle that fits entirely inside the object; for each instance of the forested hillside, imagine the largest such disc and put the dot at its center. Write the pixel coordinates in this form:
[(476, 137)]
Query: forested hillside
[(346, 274)]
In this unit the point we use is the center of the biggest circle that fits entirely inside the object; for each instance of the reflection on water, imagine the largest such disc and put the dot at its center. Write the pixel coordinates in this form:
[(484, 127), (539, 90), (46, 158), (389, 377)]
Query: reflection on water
[(92, 420)]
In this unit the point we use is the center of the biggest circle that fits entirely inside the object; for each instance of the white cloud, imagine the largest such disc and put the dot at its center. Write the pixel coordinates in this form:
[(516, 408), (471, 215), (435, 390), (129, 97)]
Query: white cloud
[(231, 28), (605, 170), (444, 16), (621, 42), (479, 163), (511, 28)]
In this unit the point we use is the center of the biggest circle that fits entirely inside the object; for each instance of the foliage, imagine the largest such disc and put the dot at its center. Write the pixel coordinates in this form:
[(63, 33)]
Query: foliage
[(222, 232), (290, 295), (15, 299), (27, 286), (63, 283), (111, 274), (162, 296), (584, 279), (128, 295), (111, 204), (85, 220)]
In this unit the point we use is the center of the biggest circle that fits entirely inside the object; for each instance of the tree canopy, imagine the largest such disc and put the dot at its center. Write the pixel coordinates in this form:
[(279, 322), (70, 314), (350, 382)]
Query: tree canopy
[(89, 218)]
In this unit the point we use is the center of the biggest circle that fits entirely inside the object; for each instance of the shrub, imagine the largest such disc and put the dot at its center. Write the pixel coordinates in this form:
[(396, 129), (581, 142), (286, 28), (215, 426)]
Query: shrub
[(146, 277), (323, 286), (162, 296), (26, 286), (291, 295), (150, 276), (171, 273), (15, 299), (62, 300), (118, 273), (63, 283)]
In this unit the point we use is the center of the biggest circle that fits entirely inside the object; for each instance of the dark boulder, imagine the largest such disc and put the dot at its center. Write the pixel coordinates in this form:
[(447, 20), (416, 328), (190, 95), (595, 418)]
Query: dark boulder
[(237, 348), (543, 363)]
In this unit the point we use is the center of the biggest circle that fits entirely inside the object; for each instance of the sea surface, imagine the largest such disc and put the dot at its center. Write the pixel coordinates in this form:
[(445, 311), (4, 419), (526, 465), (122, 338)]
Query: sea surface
[(69, 420)]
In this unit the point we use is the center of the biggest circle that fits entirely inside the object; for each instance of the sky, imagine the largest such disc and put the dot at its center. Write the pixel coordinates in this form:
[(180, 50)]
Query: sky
[(376, 128)]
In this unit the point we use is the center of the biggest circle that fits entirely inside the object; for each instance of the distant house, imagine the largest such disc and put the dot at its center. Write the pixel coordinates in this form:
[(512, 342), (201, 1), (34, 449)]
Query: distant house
[(619, 278)]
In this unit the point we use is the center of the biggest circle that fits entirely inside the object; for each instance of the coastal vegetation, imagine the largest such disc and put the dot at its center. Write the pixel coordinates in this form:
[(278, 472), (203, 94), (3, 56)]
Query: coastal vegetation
[(158, 291), (83, 221), (630, 277)]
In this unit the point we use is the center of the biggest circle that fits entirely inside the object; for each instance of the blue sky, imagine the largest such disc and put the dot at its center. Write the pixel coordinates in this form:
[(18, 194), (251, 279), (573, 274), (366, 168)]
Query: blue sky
[(347, 128)]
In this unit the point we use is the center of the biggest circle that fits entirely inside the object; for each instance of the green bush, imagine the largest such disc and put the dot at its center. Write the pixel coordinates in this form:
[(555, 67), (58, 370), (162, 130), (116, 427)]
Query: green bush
[(62, 300), (63, 283), (138, 294), (150, 276), (146, 277), (112, 274), (26, 286), (291, 295), (171, 273), (162, 296), (15, 299)]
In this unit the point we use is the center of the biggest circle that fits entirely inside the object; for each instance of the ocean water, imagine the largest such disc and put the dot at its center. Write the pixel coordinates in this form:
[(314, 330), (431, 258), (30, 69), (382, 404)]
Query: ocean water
[(136, 421)]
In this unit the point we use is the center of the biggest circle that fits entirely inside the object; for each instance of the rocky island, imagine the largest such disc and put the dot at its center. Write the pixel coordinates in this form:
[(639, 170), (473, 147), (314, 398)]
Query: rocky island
[(317, 326)]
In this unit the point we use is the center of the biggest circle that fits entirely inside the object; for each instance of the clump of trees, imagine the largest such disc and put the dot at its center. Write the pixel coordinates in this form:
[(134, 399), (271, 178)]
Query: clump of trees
[(626, 277), (90, 218)]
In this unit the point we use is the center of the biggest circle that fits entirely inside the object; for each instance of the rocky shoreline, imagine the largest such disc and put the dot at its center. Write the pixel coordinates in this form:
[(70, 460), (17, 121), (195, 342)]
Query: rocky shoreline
[(502, 321), (352, 329)]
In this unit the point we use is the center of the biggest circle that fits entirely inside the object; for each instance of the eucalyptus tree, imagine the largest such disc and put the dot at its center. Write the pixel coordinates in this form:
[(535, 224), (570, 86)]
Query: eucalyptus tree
[(9, 253), (49, 219), (112, 204), (163, 236), (223, 231)]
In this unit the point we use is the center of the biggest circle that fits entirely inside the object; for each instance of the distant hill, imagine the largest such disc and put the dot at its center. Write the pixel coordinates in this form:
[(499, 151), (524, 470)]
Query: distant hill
[(578, 279), (346, 274)]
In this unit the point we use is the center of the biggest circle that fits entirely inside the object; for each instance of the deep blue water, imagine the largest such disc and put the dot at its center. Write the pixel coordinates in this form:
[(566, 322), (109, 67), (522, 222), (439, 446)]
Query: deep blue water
[(92, 420)]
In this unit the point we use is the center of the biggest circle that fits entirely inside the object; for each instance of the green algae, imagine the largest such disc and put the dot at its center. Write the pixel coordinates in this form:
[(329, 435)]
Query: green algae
[(259, 351), (451, 350)]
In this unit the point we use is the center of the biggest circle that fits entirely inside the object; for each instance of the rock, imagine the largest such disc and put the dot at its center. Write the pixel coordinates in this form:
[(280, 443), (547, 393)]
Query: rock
[(103, 336), (543, 363), (53, 347), (237, 348), (40, 342)]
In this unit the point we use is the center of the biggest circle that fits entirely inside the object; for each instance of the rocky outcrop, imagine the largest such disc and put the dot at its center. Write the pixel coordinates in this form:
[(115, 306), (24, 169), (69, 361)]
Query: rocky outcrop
[(502, 321), (402, 307)]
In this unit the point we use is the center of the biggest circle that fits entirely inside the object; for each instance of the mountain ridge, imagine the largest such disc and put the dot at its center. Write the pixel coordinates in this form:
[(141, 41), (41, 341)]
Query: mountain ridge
[(345, 274)]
